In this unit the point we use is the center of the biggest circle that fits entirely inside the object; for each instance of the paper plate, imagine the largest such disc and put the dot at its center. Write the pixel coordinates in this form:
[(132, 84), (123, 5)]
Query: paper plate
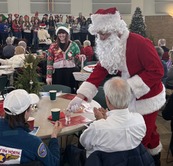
[(88, 107), (89, 68)]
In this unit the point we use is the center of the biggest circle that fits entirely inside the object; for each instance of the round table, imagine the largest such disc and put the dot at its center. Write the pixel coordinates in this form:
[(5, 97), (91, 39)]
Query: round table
[(43, 112)]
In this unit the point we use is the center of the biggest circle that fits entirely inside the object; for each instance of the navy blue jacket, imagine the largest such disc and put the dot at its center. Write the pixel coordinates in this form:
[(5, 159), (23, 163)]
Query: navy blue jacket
[(32, 147), (135, 157)]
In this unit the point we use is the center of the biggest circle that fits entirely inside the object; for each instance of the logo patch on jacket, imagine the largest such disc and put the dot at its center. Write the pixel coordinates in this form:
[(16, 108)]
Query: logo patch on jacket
[(42, 151), (10, 155)]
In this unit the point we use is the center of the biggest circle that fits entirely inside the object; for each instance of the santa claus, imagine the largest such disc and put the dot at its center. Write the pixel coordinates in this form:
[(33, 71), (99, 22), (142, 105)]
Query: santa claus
[(136, 59)]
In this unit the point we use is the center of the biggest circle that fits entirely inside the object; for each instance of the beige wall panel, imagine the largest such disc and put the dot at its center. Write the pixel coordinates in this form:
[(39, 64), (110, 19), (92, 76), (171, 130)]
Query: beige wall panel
[(111, 1), (123, 8)]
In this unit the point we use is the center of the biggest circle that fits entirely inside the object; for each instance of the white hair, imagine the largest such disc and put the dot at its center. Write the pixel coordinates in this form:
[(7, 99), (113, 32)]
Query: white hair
[(9, 40), (87, 43), (160, 51), (23, 44), (162, 42), (118, 92)]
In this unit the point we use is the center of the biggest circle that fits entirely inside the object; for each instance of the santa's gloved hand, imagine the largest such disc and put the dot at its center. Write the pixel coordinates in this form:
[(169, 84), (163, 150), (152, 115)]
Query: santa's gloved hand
[(49, 81), (74, 104)]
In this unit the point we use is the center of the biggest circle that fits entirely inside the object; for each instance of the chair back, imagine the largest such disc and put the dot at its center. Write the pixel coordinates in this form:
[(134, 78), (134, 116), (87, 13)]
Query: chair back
[(58, 87), (3, 83), (138, 156), (90, 63), (100, 97)]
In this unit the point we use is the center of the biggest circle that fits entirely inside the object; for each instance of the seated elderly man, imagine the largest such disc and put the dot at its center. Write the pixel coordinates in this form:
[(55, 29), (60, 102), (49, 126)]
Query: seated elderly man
[(118, 129), (17, 60), (8, 50)]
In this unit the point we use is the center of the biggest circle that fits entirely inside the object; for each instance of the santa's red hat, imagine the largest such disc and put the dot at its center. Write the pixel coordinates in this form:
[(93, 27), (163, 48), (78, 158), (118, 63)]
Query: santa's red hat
[(42, 25), (107, 20)]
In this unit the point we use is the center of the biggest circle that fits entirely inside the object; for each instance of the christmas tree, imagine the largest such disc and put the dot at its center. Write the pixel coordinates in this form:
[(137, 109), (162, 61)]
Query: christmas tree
[(27, 77), (137, 24)]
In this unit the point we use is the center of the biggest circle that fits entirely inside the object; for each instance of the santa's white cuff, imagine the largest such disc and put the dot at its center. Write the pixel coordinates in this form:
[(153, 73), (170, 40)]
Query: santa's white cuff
[(139, 88), (156, 150), (88, 90)]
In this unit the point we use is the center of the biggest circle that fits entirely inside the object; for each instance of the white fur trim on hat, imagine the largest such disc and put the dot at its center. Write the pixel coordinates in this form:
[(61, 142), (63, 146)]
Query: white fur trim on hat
[(63, 28), (42, 25), (18, 101), (88, 90), (107, 23)]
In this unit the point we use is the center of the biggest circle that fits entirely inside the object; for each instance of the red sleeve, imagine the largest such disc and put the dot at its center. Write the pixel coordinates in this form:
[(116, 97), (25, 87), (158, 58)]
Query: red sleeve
[(98, 75)]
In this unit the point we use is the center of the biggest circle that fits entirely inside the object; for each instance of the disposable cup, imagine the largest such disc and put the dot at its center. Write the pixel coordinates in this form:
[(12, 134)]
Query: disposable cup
[(31, 122), (52, 94), (55, 113)]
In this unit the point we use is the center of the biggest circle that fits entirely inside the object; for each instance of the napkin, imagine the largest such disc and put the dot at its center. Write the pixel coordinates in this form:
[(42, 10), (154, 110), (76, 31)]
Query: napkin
[(68, 96), (62, 115), (75, 120)]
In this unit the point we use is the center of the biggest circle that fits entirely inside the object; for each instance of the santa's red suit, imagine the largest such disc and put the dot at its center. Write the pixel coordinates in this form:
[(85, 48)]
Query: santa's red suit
[(143, 70)]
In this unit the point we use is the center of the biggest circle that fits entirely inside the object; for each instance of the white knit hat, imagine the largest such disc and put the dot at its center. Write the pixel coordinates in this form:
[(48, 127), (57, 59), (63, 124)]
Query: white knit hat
[(107, 20), (17, 101), (63, 28)]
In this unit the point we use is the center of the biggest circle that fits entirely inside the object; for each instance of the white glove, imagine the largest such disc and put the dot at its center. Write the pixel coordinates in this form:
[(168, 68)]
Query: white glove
[(49, 81), (74, 104)]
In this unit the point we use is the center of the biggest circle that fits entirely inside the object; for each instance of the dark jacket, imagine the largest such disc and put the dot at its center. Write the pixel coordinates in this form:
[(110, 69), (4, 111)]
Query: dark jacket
[(165, 55), (167, 114), (135, 157), (32, 148), (8, 51)]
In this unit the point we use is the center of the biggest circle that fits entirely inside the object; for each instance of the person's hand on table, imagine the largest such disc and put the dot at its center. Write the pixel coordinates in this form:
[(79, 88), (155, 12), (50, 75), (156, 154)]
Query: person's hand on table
[(75, 103), (49, 81), (100, 113), (57, 129), (82, 56)]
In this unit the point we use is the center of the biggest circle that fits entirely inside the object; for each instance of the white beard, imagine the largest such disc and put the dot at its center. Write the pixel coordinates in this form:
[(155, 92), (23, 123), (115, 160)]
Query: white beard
[(110, 53)]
